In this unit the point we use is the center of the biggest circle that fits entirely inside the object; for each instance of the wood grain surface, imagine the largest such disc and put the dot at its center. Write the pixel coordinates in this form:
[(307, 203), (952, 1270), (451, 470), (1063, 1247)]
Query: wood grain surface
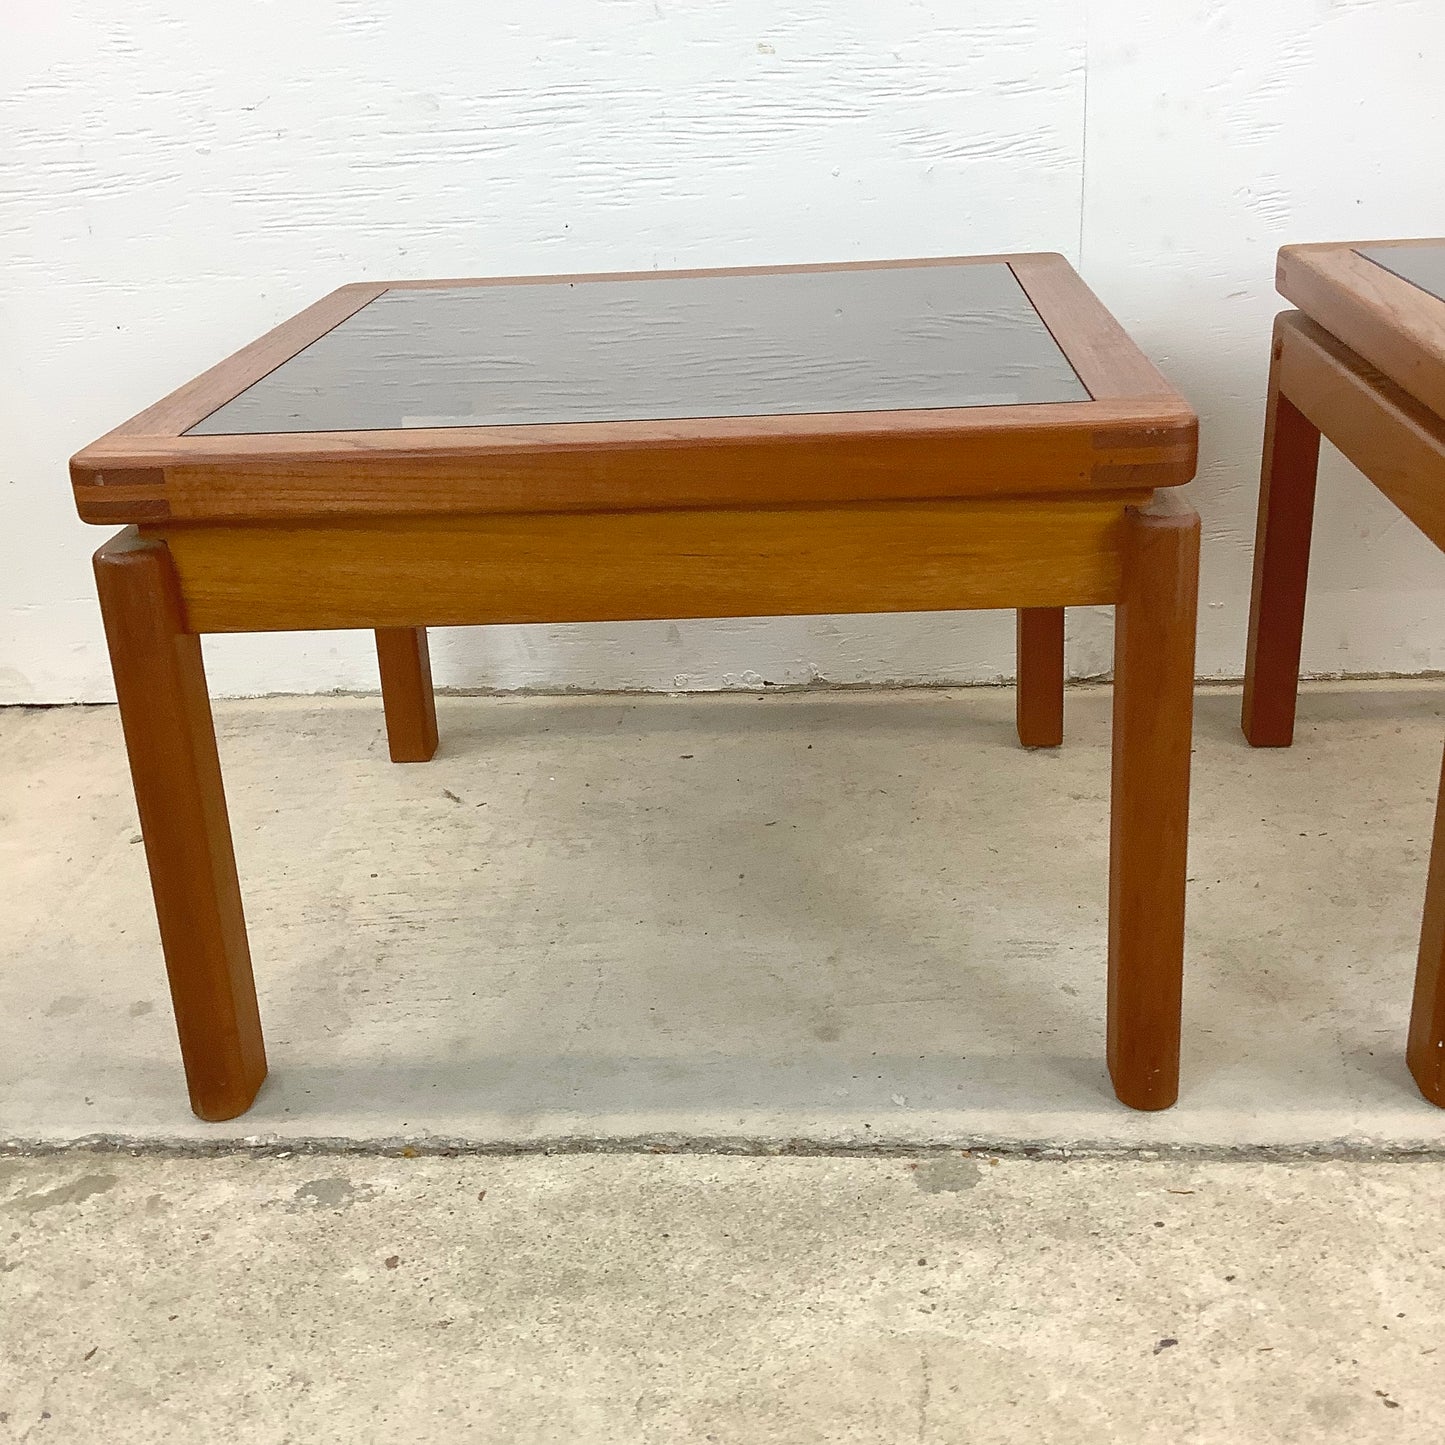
[(1393, 325), (1039, 699), (171, 743), (1425, 1049), (404, 661), (990, 451), (1394, 440), (1288, 470), (615, 566), (1154, 630)]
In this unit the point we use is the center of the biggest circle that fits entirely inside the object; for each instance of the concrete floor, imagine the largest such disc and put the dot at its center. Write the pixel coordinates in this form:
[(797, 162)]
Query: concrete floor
[(841, 923), (837, 918), (638, 1299)]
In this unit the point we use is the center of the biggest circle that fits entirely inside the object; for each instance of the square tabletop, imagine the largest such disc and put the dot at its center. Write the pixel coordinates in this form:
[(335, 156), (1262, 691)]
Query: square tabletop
[(1385, 300), (855, 382)]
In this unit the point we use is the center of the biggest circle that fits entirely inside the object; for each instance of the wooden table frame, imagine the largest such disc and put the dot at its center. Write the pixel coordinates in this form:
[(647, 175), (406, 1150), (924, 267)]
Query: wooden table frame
[(1381, 414), (1027, 507)]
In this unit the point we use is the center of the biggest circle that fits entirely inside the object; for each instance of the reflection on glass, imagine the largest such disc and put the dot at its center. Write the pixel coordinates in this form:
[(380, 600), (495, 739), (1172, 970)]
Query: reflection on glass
[(1422, 265), (901, 338)]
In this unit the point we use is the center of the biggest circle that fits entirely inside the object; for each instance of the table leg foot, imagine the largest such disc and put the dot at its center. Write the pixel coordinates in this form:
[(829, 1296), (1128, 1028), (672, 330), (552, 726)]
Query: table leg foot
[(1039, 711), (406, 693), (165, 713), (1425, 1052), (1281, 569), (1149, 818)]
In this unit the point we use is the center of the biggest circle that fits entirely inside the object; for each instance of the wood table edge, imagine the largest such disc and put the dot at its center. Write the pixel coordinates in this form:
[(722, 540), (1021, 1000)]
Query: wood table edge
[(1144, 433), (1152, 445), (1393, 324)]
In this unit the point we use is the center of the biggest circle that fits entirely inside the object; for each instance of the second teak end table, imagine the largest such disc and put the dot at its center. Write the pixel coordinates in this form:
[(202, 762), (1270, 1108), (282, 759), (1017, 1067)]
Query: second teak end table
[(905, 436), (1362, 362)]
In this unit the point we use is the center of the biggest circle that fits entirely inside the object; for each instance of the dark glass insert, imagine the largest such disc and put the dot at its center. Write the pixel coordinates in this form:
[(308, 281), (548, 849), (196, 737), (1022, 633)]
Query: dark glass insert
[(898, 338), (1422, 265)]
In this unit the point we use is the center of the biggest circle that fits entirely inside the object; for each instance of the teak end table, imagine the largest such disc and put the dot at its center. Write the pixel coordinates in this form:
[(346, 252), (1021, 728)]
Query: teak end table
[(1362, 362), (906, 436)]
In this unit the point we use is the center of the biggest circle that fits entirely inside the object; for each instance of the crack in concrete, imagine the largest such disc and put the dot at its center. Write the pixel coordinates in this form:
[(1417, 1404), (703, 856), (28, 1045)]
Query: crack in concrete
[(1354, 1151)]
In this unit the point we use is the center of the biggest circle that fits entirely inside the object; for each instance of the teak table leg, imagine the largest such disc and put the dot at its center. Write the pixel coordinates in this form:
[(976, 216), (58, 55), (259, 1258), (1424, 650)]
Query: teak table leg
[(406, 693), (1281, 570), (1425, 1052), (166, 716), (1149, 818), (1039, 706)]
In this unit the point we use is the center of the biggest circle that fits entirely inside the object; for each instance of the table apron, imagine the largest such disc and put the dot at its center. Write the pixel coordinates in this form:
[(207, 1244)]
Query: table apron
[(622, 566), (1394, 440)]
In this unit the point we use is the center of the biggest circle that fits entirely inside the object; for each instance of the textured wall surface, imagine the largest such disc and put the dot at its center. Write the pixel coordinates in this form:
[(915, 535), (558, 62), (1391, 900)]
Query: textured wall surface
[(177, 178)]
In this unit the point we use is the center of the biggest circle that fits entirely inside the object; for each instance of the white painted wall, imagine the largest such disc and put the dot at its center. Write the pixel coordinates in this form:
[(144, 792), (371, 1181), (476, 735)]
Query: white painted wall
[(179, 175)]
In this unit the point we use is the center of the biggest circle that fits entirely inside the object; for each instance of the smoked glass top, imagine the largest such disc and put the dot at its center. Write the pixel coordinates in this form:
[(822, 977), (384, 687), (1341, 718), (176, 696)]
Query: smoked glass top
[(904, 338), (1422, 266)]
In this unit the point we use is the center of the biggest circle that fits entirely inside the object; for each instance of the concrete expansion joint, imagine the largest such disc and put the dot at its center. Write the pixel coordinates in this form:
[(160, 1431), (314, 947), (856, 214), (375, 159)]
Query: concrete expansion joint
[(1352, 1150)]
